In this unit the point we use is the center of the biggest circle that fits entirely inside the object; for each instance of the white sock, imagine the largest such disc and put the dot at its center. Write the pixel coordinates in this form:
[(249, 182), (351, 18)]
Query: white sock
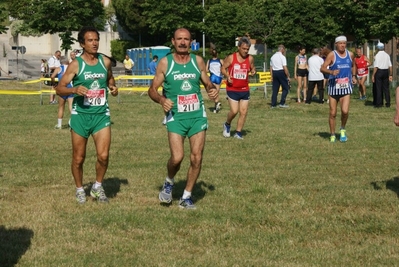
[(59, 122), (79, 189), (186, 194), (170, 180), (96, 185)]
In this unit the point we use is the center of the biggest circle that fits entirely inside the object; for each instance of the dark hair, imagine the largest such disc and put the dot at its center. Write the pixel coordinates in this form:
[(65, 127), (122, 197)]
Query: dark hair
[(300, 47), (82, 32), (214, 52), (155, 57)]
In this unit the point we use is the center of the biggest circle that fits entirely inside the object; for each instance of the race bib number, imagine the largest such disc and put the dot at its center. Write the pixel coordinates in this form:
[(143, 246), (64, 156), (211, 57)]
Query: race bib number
[(342, 83), (361, 71), (188, 103), (240, 74), (95, 98)]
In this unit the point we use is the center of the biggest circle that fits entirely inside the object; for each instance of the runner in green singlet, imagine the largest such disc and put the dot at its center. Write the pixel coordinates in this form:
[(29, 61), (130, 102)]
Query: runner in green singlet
[(92, 78), (181, 73)]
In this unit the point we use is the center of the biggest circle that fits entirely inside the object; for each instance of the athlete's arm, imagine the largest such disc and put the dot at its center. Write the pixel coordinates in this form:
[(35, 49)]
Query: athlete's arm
[(54, 74), (70, 72), (207, 66), (328, 62), (157, 82), (354, 68), (226, 64), (368, 62), (209, 86), (252, 72), (295, 67), (110, 77)]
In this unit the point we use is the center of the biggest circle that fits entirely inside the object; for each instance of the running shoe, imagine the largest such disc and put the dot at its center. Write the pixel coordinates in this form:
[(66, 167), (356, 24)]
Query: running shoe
[(332, 139), (187, 204), (217, 107), (283, 106), (342, 136), (238, 136), (226, 130), (165, 196), (81, 197), (57, 127), (99, 194)]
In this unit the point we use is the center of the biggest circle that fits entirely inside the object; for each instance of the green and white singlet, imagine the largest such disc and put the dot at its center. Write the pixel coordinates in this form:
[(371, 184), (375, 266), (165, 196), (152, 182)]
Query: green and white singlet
[(182, 86), (93, 78)]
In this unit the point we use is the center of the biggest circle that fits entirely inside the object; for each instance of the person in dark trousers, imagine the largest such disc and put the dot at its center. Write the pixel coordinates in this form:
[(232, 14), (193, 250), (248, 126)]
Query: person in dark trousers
[(280, 76), (382, 75)]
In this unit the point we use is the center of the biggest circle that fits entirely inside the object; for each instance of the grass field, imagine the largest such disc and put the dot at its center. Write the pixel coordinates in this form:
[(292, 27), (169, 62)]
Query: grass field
[(283, 196)]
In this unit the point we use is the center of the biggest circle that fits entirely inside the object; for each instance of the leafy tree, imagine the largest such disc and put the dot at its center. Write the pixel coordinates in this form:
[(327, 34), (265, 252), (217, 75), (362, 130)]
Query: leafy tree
[(224, 23), (54, 16), (19, 27), (3, 16), (304, 22), (130, 14), (131, 17), (163, 17), (366, 19)]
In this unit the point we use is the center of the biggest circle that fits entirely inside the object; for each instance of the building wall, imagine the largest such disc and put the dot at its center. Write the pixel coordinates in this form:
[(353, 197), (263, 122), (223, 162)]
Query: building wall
[(49, 43)]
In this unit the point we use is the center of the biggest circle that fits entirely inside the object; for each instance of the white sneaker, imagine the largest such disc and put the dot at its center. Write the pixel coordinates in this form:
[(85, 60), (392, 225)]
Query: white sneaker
[(57, 127), (226, 130)]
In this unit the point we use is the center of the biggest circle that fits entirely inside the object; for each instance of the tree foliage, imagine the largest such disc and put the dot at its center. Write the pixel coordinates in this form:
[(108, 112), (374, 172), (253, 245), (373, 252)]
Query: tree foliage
[(3, 15), (222, 23), (163, 17), (292, 22), (54, 16), (310, 23), (130, 14)]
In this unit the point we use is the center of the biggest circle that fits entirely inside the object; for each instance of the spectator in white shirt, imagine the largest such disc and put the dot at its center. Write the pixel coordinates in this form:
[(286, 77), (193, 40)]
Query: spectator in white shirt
[(280, 76), (316, 77), (54, 63), (382, 75)]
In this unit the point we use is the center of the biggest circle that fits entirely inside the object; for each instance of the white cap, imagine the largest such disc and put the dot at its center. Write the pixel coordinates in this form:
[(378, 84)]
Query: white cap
[(340, 38), (380, 45)]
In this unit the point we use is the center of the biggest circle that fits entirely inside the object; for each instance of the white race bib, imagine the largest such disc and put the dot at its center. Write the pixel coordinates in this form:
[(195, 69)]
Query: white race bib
[(187, 103), (95, 98), (240, 74), (342, 83)]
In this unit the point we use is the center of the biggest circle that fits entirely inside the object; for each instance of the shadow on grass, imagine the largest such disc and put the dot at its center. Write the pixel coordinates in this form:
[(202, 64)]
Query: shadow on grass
[(14, 243), (392, 184), (368, 103), (199, 192), (111, 186), (324, 135)]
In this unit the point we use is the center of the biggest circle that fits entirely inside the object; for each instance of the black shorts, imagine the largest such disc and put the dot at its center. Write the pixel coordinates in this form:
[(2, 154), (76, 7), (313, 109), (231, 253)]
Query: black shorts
[(302, 72), (338, 97)]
